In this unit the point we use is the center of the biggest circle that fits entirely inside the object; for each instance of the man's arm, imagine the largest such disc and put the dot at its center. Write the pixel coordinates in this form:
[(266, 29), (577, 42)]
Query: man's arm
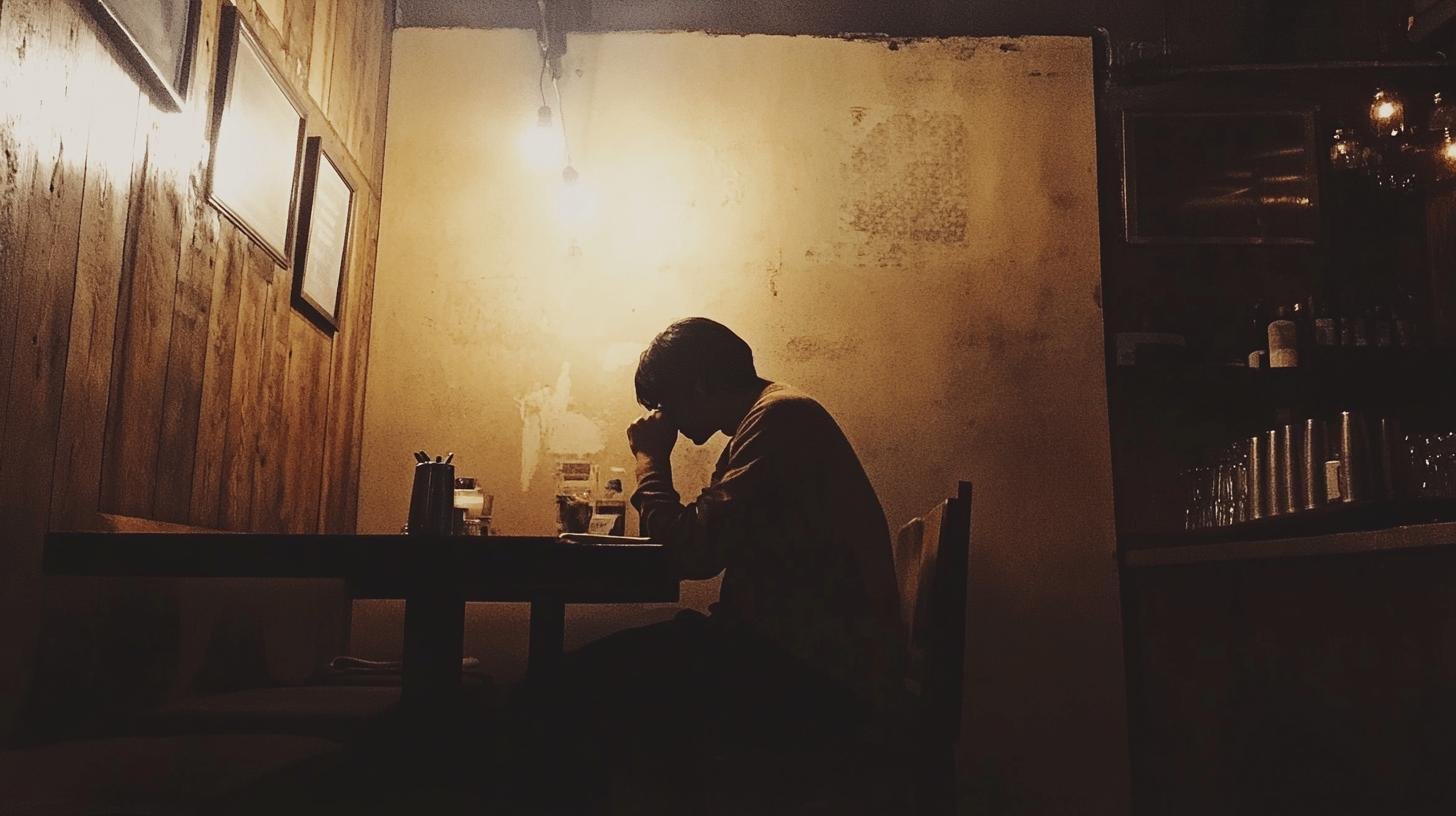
[(668, 521), (702, 533)]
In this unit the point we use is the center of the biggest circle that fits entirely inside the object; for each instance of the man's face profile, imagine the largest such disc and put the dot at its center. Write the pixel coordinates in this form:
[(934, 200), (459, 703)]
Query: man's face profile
[(689, 413)]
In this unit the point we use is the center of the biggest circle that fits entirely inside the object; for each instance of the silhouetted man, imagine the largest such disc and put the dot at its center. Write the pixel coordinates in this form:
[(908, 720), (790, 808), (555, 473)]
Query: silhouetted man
[(789, 517), (804, 643)]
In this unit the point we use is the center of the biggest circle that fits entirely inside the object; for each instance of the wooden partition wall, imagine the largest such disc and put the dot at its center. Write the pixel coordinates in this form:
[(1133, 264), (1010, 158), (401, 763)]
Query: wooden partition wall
[(151, 363)]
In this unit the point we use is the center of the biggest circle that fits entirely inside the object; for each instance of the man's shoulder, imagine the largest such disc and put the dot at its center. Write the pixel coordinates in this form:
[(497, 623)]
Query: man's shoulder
[(780, 402)]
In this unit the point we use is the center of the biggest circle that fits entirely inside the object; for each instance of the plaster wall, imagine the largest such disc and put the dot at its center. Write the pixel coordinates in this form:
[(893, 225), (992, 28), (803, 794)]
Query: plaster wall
[(907, 231)]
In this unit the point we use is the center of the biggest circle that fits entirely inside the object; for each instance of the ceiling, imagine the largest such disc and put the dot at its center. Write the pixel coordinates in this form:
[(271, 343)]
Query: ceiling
[(826, 17)]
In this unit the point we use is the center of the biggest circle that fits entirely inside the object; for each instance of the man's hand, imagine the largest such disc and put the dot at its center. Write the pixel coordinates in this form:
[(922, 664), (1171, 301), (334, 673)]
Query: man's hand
[(652, 435)]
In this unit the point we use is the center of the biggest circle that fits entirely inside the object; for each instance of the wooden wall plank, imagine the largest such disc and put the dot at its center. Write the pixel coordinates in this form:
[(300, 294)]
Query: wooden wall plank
[(144, 327), (214, 411), (110, 158), (343, 101), (245, 410), (274, 10), (298, 32), (186, 355), (289, 57), (186, 361), (346, 402), (20, 103), (305, 404), (370, 32), (47, 123), (321, 56), (267, 515), (381, 94)]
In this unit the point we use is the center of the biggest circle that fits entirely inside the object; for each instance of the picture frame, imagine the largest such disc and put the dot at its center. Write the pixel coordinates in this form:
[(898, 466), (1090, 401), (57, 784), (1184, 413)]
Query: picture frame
[(258, 129), (158, 38), (325, 227), (1220, 177)]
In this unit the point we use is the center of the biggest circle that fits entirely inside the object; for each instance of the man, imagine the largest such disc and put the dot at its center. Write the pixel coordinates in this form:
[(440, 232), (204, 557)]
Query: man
[(789, 517), (803, 647)]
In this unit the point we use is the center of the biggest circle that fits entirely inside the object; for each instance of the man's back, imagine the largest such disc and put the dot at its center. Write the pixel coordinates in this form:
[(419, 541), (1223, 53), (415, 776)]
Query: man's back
[(792, 519)]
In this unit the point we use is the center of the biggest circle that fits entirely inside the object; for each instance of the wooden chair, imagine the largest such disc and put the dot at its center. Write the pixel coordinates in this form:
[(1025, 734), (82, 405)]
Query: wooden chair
[(932, 555)]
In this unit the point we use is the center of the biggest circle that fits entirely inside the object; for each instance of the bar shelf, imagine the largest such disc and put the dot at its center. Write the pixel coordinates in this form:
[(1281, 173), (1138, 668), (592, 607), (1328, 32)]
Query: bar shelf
[(1374, 526)]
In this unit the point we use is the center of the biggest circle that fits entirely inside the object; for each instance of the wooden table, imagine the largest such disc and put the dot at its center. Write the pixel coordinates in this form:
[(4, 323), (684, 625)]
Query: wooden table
[(435, 576)]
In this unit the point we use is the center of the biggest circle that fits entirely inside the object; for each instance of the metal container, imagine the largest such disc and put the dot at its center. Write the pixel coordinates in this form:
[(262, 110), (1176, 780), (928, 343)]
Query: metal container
[(432, 499), (1272, 504), (1256, 478), (1390, 462), (1311, 464), (1352, 449), (1287, 489)]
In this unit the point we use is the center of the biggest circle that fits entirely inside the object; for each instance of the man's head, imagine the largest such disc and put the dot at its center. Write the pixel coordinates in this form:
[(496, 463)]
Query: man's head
[(691, 372)]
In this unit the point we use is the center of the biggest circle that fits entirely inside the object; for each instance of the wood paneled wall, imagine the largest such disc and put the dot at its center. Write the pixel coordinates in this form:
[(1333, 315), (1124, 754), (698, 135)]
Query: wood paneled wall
[(151, 363)]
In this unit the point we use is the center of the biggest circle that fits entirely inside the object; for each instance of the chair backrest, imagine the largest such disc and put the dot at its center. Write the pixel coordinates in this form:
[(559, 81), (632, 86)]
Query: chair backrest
[(932, 557)]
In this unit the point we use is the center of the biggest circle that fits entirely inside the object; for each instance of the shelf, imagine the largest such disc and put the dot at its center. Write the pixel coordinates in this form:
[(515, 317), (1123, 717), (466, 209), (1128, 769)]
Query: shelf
[(1404, 537), (1328, 365)]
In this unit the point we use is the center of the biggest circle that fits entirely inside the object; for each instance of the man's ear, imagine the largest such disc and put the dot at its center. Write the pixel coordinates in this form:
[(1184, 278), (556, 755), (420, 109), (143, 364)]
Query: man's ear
[(701, 390)]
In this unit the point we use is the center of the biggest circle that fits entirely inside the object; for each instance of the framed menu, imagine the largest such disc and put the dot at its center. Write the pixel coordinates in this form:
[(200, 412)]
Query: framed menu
[(325, 216), (156, 36), (257, 140)]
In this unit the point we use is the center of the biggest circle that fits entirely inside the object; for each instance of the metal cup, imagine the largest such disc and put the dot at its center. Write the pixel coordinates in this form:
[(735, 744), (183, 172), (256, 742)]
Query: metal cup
[(1311, 464), (1391, 464), (1286, 475), (1352, 448), (1256, 479), (432, 499), (1276, 494)]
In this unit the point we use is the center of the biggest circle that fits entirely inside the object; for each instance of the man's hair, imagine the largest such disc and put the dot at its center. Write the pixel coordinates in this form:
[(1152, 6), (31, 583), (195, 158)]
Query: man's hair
[(689, 350)]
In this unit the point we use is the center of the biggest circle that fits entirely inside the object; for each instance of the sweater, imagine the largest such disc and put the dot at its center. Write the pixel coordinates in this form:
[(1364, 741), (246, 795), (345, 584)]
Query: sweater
[(792, 522)]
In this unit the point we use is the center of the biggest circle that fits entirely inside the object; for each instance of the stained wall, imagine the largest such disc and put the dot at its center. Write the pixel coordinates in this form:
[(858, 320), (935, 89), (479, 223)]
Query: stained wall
[(907, 230)]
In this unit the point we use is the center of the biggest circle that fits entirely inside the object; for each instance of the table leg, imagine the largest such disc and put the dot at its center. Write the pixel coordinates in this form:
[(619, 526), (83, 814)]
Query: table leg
[(548, 630), (434, 626)]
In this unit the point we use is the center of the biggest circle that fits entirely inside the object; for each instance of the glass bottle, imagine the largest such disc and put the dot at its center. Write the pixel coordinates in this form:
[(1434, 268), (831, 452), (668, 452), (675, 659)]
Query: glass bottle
[(1258, 336), (1303, 330)]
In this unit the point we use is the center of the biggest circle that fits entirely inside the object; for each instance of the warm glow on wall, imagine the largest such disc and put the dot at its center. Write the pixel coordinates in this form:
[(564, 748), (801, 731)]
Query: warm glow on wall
[(576, 203)]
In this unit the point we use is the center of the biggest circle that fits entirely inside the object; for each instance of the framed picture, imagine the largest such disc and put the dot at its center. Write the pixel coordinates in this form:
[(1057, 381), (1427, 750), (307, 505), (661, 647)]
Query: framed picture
[(157, 38), (326, 213), (1224, 177), (257, 140)]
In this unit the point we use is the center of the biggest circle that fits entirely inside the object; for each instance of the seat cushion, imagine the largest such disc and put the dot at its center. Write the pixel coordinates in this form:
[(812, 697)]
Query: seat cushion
[(153, 775), (333, 712)]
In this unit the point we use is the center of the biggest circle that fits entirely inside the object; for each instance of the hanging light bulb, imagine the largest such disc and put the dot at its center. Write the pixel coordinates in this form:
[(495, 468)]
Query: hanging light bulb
[(1387, 114)]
